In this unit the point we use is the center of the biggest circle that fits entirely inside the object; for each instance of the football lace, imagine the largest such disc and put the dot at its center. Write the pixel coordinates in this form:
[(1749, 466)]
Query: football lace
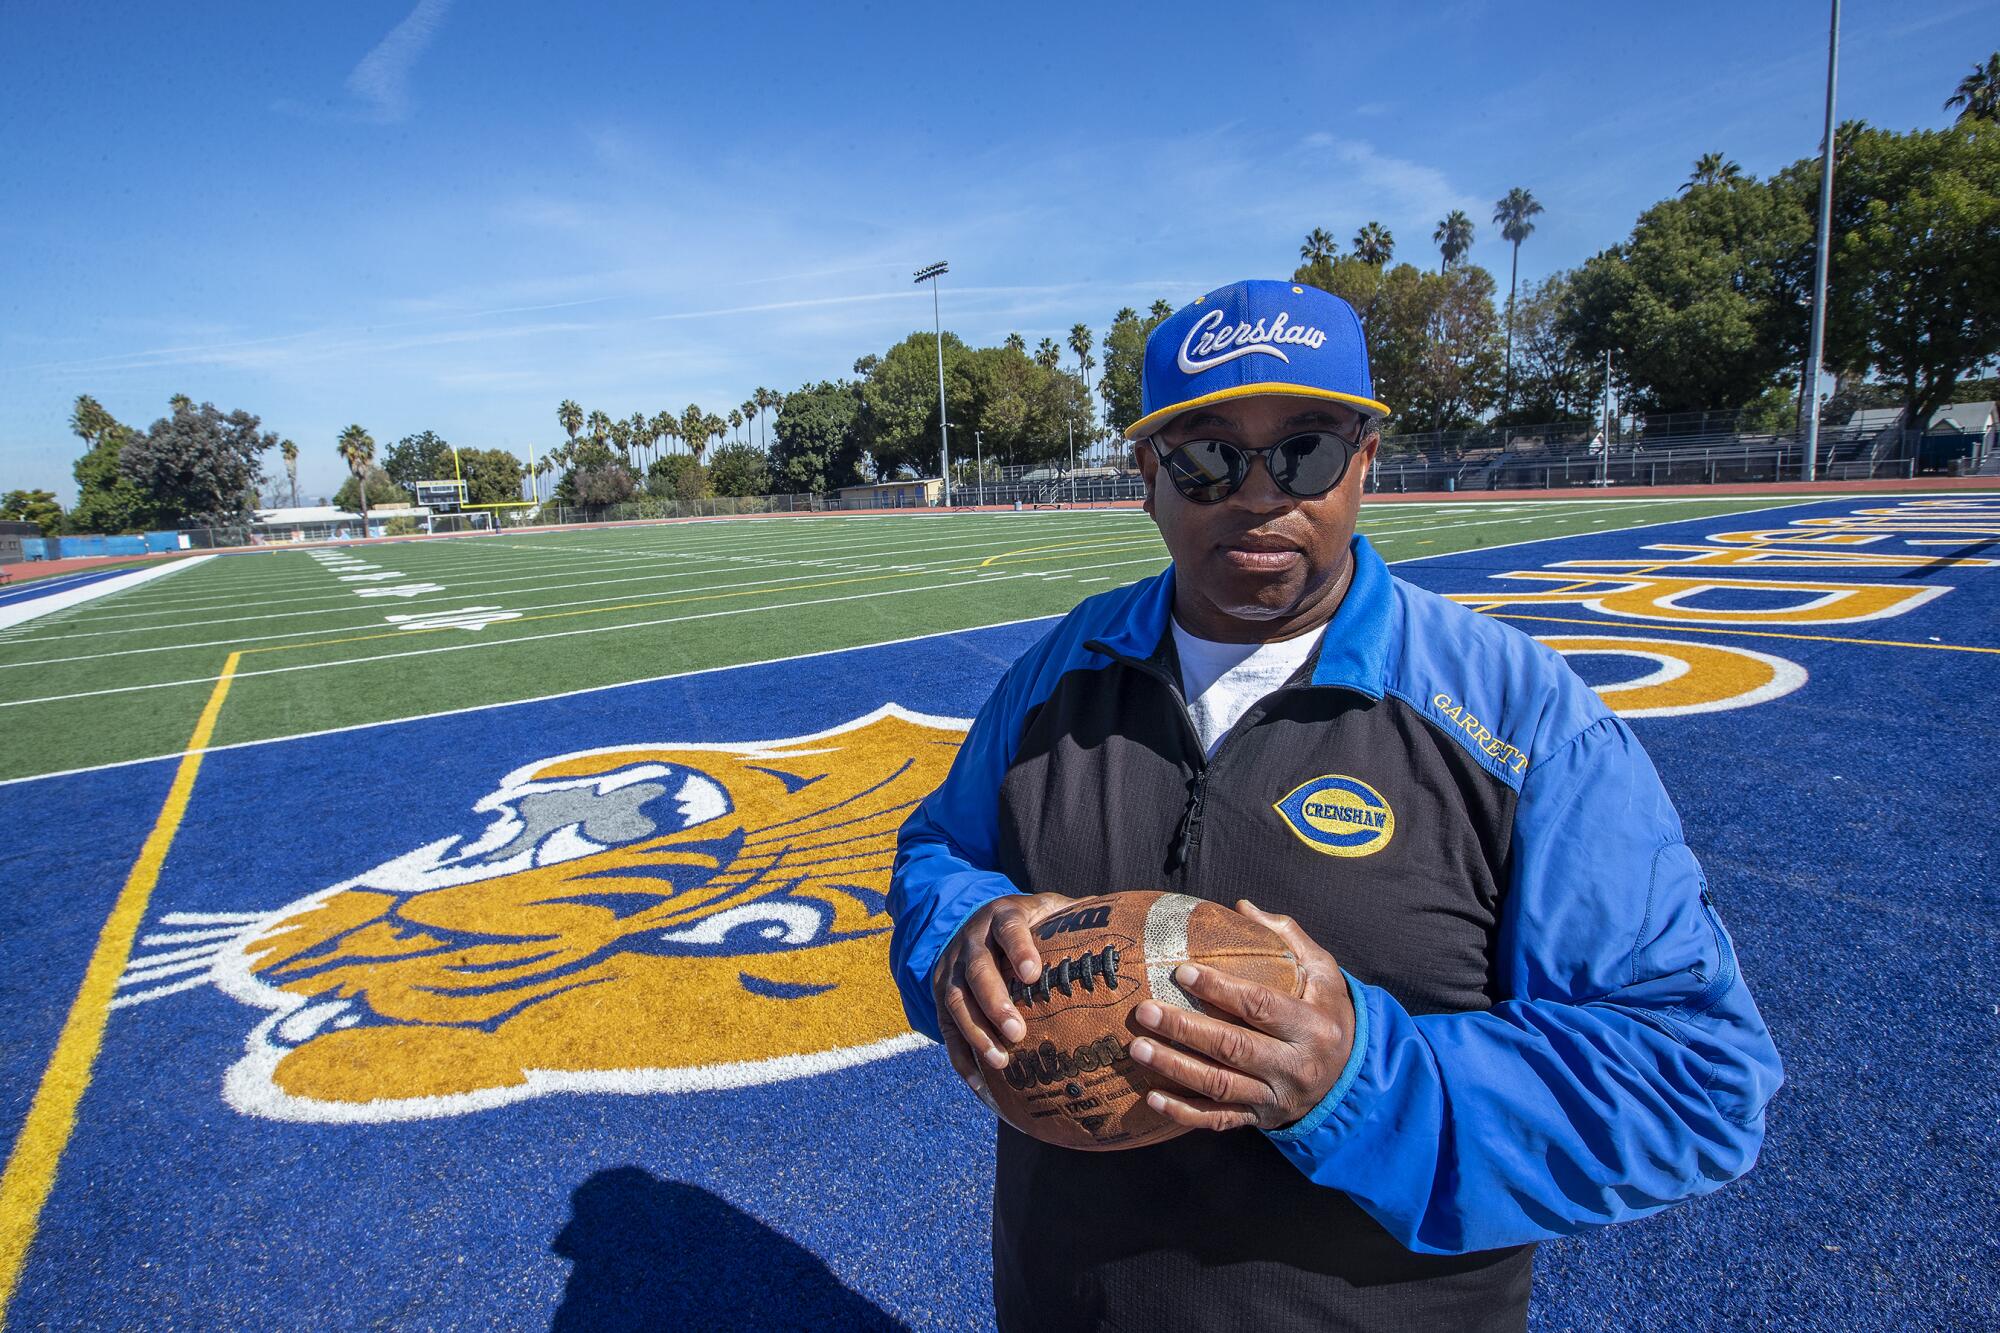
[(1085, 971)]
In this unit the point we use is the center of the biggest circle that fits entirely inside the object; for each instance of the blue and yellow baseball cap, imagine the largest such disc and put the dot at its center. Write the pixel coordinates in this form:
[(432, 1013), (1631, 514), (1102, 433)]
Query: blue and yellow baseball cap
[(1252, 338)]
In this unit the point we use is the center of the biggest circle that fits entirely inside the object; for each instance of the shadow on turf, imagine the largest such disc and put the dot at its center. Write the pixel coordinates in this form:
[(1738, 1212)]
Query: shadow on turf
[(659, 1254)]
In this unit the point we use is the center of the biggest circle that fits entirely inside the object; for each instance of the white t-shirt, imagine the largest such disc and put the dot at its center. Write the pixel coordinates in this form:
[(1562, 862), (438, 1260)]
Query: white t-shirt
[(1222, 680)]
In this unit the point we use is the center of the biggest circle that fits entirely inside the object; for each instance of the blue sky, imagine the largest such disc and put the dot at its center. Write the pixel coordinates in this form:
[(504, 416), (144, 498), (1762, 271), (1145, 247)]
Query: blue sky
[(450, 216)]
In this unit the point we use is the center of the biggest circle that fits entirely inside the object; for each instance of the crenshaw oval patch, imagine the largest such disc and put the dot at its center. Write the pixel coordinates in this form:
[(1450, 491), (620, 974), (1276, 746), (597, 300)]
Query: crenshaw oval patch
[(1338, 815)]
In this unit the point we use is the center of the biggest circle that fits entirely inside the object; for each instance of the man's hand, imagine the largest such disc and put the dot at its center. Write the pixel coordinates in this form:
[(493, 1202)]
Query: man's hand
[(1270, 1069), (975, 1014)]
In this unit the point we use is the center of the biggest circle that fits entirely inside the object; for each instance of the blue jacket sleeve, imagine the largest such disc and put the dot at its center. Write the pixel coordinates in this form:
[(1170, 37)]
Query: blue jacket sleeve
[(946, 851), (1626, 1069)]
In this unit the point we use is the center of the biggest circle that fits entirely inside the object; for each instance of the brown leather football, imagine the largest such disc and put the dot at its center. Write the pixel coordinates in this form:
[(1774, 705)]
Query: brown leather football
[(1070, 1081)]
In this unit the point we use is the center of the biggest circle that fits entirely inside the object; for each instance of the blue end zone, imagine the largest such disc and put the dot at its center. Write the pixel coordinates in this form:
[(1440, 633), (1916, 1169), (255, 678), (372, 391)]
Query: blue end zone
[(1846, 829)]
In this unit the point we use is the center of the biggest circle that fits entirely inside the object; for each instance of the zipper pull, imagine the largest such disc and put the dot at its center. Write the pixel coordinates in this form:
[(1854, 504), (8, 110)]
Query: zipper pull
[(1184, 832)]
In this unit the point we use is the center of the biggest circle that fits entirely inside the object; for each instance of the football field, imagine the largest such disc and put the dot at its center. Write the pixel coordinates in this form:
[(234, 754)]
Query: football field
[(310, 641), (491, 931)]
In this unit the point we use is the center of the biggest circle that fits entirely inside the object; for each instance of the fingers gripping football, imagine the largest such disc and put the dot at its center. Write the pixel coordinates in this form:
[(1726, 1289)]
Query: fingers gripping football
[(976, 1014), (1256, 1056)]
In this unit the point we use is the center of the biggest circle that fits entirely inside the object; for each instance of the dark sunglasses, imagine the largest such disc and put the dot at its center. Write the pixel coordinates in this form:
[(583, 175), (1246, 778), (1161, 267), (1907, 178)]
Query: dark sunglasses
[(1305, 466)]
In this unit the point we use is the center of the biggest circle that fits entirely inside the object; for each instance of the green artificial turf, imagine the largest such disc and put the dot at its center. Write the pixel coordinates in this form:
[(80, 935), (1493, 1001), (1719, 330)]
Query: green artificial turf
[(599, 607)]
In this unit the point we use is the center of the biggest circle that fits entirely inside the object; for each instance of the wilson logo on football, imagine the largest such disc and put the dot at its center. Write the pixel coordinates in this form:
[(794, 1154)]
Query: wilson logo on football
[(647, 918), (1338, 815), (1088, 918)]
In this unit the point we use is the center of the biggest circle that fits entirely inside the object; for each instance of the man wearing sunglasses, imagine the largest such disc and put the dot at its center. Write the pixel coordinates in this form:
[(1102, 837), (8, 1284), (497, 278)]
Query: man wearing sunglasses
[(1522, 1016)]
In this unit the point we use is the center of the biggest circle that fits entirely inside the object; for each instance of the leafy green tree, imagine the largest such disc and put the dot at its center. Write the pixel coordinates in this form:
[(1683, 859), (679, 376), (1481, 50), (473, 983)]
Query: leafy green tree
[(1374, 244), (200, 464), (1441, 354), (1773, 412), (819, 438), (356, 448), (106, 500), (1319, 246), (1916, 283), (900, 400), (1978, 93), (1124, 359), (37, 507), (382, 491), (1350, 277), (424, 456), (574, 459), (1023, 409), (492, 476), (1511, 212), (739, 469), (1712, 169), (1453, 238), (1704, 305), (1554, 379), (678, 477), (600, 487)]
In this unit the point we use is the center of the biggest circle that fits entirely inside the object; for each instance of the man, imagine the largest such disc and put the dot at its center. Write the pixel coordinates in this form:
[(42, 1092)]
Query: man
[(1522, 1016)]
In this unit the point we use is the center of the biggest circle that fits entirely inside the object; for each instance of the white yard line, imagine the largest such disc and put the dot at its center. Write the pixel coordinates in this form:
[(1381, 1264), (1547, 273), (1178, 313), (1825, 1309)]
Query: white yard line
[(20, 613)]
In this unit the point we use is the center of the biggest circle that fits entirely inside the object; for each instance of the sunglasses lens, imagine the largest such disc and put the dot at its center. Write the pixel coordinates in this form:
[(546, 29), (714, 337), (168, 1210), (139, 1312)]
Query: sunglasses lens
[(1310, 465), (1207, 471)]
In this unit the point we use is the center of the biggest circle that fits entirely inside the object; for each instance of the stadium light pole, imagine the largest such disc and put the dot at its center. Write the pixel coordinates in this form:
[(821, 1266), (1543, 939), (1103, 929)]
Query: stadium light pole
[(1818, 334), (931, 273)]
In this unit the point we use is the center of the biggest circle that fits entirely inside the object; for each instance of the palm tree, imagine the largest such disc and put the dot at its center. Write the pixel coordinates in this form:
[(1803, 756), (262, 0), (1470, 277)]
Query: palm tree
[(1047, 355), (636, 432), (1512, 213), (735, 420), (666, 426), (1453, 237), (1159, 310), (621, 440), (357, 450), (1079, 342), (1373, 244), (290, 452), (1319, 245), (1016, 343), (600, 426), (570, 417), (1712, 169), (1978, 92), (693, 423)]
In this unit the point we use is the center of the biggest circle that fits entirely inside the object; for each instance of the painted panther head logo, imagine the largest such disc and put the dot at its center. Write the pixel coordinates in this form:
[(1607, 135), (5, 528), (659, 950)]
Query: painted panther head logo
[(636, 919)]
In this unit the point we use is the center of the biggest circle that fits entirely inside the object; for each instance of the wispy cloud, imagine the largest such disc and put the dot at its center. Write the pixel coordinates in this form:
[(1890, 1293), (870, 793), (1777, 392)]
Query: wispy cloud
[(382, 80), (379, 86)]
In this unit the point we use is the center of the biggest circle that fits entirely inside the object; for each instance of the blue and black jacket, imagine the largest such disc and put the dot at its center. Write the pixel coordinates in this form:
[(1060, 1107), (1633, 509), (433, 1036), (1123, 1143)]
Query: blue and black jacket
[(1551, 1031)]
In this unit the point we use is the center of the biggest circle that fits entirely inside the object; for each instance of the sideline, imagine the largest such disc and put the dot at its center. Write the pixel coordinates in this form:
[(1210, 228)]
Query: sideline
[(18, 613), (45, 1134)]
